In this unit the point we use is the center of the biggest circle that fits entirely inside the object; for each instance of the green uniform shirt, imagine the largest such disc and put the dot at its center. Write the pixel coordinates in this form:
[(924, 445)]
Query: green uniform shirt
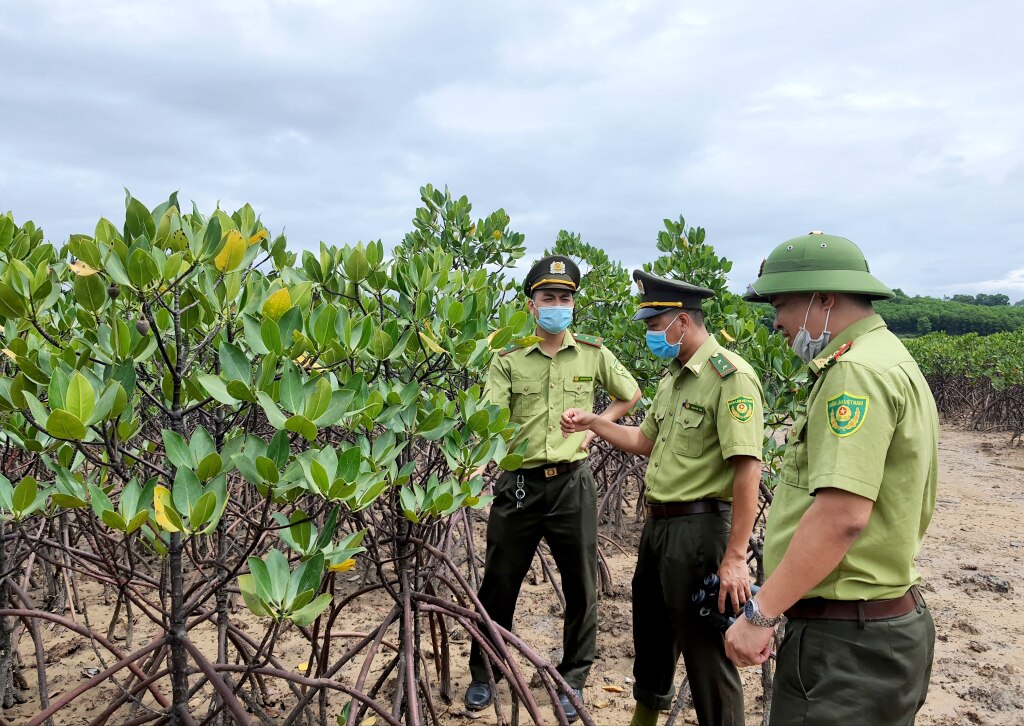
[(538, 389), (871, 428), (700, 417)]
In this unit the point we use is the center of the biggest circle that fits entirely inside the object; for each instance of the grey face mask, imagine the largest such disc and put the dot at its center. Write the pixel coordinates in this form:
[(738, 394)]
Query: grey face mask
[(806, 347)]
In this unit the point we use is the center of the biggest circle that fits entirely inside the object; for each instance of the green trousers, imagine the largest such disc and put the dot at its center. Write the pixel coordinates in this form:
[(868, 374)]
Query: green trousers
[(563, 511), (676, 554), (837, 672)]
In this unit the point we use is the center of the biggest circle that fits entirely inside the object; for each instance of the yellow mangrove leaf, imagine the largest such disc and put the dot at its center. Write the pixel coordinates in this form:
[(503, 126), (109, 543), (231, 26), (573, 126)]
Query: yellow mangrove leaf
[(430, 343), (161, 503), (343, 566), (81, 269), (231, 255), (277, 304), (258, 237)]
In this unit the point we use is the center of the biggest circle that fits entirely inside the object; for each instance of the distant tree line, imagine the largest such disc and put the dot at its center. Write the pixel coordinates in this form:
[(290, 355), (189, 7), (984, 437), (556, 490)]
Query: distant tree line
[(983, 314), (957, 315)]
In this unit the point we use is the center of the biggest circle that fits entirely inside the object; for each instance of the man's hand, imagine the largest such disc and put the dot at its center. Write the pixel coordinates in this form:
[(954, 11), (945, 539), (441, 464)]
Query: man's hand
[(748, 645), (734, 580), (587, 440), (575, 420)]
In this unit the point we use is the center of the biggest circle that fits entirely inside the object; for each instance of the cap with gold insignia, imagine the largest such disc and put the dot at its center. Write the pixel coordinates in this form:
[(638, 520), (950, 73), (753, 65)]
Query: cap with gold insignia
[(659, 295), (552, 272), (816, 262)]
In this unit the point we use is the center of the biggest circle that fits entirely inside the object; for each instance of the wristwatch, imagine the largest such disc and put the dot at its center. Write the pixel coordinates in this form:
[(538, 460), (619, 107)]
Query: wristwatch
[(753, 615)]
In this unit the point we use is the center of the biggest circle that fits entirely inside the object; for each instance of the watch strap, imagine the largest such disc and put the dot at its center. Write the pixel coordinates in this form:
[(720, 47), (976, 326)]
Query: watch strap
[(753, 615)]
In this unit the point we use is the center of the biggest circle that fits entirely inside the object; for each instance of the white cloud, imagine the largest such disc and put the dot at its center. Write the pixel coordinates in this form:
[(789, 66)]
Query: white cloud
[(895, 125), (1012, 284)]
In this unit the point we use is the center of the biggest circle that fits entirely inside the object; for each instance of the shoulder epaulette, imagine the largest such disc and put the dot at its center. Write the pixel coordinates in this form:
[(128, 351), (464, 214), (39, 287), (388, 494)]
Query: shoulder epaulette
[(511, 347), (722, 365), (589, 340)]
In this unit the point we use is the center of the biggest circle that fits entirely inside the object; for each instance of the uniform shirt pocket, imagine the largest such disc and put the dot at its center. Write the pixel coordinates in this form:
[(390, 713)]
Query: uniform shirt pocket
[(688, 434), (526, 398), (579, 394)]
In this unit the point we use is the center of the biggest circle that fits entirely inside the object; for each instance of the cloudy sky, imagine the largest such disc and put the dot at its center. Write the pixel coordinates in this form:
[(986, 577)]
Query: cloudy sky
[(898, 125)]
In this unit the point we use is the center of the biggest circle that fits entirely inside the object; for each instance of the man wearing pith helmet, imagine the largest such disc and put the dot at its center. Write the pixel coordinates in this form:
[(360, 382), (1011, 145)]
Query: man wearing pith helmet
[(855, 495), (704, 436), (552, 494)]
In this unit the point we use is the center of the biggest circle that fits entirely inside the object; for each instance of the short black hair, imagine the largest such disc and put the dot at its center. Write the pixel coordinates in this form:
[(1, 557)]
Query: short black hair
[(862, 301), (697, 316)]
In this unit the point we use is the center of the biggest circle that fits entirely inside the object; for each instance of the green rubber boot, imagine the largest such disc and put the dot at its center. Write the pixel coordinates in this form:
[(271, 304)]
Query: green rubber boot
[(644, 716)]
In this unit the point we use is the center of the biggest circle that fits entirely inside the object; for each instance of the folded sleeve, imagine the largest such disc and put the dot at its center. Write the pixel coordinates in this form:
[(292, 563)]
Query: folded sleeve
[(740, 417), (850, 426), (498, 388), (615, 378)]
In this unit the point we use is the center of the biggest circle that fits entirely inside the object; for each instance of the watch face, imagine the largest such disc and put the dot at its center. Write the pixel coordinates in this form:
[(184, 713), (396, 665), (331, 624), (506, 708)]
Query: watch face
[(748, 609)]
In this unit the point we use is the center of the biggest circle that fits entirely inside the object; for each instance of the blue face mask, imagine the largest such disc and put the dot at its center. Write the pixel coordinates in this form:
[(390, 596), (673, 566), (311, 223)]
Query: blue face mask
[(660, 346), (554, 318)]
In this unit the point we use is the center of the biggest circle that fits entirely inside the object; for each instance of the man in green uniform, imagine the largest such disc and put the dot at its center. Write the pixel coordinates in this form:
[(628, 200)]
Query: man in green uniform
[(552, 495), (704, 436), (855, 495)]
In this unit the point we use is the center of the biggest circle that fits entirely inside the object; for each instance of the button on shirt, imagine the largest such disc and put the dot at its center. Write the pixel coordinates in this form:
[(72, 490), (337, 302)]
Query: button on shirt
[(538, 388), (697, 421)]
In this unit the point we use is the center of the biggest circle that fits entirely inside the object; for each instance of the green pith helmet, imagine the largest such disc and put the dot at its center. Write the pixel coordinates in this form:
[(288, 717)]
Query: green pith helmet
[(816, 262)]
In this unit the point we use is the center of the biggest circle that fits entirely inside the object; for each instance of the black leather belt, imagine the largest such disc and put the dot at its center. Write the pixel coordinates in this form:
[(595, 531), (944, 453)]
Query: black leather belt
[(818, 608), (551, 470), (679, 509)]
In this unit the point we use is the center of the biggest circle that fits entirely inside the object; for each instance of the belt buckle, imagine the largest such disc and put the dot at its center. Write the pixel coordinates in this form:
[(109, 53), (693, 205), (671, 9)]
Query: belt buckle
[(550, 472)]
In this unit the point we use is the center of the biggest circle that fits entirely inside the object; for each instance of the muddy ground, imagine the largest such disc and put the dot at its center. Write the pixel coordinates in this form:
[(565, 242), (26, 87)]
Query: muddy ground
[(971, 561)]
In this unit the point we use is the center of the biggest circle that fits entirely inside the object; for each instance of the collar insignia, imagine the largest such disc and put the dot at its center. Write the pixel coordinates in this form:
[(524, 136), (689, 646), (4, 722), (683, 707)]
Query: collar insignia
[(824, 364)]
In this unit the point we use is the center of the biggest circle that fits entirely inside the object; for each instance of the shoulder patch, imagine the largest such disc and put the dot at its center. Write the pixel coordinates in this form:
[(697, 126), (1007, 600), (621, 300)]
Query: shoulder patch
[(722, 365), (846, 413), (588, 340), (741, 408)]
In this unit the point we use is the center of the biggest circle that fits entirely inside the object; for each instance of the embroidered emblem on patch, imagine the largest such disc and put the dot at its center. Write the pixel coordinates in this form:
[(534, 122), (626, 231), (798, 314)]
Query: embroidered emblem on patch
[(741, 408), (557, 267), (846, 413)]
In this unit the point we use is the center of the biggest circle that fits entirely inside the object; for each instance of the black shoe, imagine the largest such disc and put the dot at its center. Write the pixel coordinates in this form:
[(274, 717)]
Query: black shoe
[(570, 710), (479, 696)]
